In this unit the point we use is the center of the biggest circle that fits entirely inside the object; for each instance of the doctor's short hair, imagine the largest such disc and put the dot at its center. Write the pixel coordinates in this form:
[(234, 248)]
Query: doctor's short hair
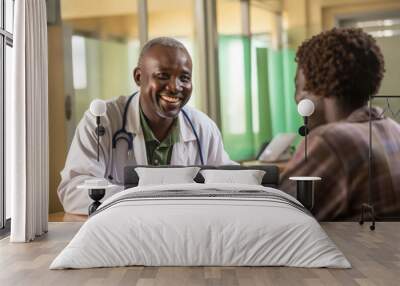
[(161, 41), (344, 63)]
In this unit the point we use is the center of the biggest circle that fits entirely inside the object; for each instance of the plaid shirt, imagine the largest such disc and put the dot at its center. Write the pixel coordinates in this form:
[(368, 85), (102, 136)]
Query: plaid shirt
[(338, 153)]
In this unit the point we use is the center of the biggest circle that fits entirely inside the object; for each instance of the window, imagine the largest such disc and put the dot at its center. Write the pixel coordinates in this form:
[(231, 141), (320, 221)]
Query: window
[(386, 30), (6, 44), (256, 77), (165, 20), (104, 50)]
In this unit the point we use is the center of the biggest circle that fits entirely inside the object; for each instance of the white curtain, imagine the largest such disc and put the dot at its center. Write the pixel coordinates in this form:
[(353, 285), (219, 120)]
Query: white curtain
[(27, 124)]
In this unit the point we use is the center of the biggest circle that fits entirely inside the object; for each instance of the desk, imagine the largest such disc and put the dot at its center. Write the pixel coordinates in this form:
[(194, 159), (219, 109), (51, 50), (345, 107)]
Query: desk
[(281, 164), (66, 217)]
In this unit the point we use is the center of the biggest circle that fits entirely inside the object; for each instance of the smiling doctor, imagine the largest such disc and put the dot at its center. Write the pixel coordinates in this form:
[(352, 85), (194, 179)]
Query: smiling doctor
[(150, 127)]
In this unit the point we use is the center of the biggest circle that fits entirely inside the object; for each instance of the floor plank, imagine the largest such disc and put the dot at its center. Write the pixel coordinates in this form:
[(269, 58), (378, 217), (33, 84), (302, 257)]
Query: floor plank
[(375, 257)]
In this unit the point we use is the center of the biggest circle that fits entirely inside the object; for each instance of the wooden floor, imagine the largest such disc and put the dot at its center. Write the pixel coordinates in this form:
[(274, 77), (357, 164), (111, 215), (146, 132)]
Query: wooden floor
[(375, 257)]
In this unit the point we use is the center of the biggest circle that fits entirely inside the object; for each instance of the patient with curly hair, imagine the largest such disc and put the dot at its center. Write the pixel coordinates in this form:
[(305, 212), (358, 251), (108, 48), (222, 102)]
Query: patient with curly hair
[(339, 70)]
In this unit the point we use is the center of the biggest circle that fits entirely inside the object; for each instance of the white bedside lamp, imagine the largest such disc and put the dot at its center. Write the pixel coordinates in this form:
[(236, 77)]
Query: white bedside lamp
[(98, 107), (305, 107)]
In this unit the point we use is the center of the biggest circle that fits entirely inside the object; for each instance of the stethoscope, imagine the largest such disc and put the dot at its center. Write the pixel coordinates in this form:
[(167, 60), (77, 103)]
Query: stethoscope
[(124, 135)]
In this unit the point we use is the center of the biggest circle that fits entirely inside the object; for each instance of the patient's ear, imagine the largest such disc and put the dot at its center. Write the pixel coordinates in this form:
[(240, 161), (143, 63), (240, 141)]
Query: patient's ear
[(137, 73)]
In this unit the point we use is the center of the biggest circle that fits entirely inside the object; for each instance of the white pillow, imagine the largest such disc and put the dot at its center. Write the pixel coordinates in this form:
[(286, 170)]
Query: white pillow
[(162, 176), (248, 177)]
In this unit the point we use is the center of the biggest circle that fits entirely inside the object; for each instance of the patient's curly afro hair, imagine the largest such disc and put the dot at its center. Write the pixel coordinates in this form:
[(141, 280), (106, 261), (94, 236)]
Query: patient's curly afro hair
[(345, 63)]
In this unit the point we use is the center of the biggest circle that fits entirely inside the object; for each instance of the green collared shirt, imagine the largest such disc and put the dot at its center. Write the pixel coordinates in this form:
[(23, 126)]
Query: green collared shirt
[(159, 153)]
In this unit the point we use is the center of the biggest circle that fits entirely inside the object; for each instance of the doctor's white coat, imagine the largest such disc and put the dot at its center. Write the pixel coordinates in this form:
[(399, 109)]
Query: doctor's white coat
[(81, 163)]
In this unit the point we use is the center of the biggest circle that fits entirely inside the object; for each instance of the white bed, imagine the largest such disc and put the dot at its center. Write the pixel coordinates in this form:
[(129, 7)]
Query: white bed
[(222, 225)]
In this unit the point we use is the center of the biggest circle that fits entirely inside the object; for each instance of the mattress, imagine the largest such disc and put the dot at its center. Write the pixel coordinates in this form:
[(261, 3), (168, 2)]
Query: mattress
[(201, 225)]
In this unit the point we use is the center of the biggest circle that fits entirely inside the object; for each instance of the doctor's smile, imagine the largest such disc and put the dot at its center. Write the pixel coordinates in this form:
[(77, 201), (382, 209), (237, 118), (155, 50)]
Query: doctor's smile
[(171, 99), (168, 102)]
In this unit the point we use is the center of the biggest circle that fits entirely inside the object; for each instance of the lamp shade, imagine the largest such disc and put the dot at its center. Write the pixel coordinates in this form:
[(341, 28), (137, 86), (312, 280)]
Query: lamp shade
[(305, 107), (98, 107)]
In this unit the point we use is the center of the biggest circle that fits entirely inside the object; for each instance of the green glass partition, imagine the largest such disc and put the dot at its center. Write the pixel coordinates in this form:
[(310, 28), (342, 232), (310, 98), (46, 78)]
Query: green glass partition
[(235, 92), (257, 95)]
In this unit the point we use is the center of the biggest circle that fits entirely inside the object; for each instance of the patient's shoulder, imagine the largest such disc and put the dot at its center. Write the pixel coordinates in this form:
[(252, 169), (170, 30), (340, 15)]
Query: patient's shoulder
[(349, 139), (342, 132), (358, 132)]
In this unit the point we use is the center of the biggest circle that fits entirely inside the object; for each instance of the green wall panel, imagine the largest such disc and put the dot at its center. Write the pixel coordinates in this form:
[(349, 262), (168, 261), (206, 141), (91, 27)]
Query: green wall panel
[(276, 94)]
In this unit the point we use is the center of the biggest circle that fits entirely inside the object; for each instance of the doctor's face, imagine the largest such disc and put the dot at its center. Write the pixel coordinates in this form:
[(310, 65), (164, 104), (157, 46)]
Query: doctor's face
[(165, 79)]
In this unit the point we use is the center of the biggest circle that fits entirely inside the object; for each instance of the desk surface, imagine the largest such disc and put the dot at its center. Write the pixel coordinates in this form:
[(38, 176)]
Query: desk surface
[(66, 217), (281, 164)]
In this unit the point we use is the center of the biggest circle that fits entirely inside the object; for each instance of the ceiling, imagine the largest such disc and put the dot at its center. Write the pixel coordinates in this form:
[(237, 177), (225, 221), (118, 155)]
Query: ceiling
[(78, 9)]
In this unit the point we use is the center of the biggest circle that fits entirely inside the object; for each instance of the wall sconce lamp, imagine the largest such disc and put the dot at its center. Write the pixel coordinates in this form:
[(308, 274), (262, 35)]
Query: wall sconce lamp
[(98, 108), (305, 108)]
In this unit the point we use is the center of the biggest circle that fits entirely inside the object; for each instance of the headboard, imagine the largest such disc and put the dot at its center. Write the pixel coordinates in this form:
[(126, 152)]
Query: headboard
[(270, 179)]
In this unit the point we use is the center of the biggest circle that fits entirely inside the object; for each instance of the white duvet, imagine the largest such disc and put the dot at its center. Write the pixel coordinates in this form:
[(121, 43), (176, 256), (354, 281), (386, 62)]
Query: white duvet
[(233, 230)]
